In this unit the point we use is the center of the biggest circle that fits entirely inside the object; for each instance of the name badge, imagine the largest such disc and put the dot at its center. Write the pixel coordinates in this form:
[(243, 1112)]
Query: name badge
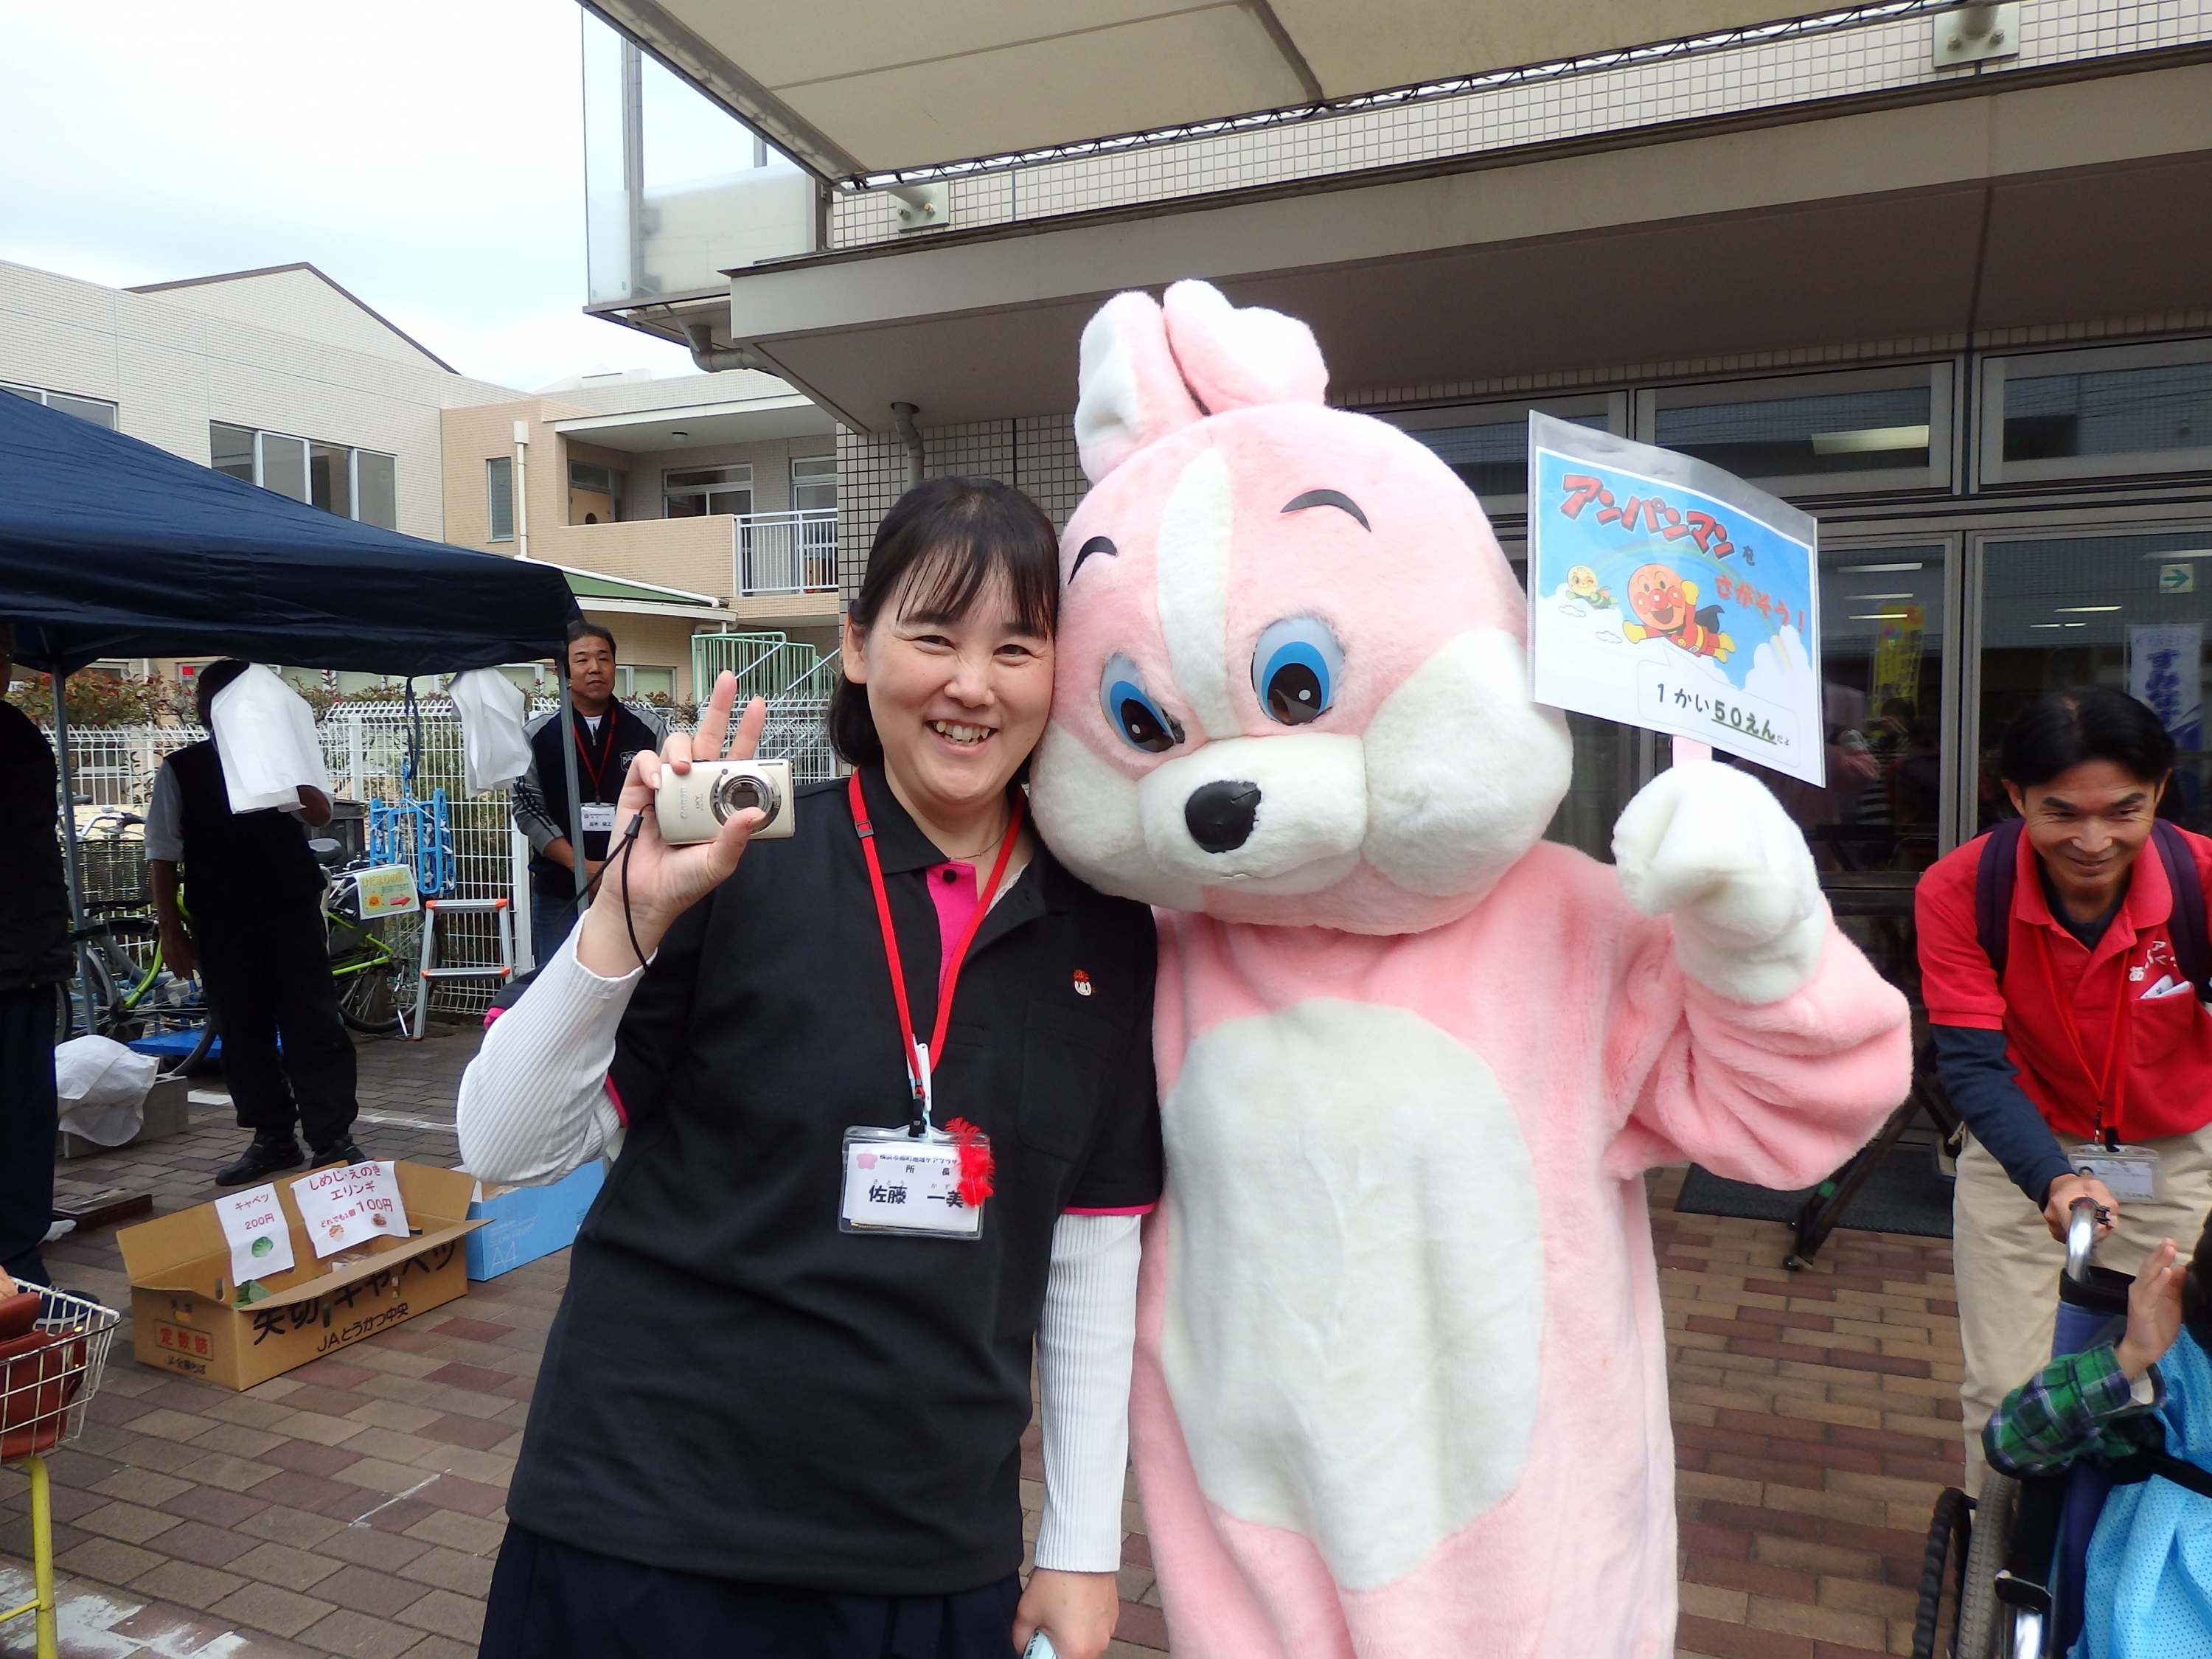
[(2129, 1173), (598, 818), (896, 1183)]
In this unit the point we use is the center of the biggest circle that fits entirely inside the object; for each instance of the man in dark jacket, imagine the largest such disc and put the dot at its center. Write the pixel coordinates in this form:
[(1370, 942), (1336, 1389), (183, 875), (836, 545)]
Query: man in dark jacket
[(609, 735), (34, 959), (257, 940)]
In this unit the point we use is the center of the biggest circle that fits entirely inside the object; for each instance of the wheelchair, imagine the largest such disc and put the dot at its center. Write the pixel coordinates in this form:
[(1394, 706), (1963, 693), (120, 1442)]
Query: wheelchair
[(2002, 1577)]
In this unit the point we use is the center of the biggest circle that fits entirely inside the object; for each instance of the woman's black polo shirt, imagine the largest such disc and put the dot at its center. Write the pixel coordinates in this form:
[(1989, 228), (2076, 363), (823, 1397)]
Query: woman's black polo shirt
[(733, 1385)]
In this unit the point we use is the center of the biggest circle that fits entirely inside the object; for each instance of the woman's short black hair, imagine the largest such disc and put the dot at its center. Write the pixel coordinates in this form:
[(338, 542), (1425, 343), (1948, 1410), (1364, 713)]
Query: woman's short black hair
[(210, 680), (954, 538), (2058, 733)]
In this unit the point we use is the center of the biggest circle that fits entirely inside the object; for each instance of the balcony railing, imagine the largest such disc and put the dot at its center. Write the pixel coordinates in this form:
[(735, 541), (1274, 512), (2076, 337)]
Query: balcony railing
[(787, 552)]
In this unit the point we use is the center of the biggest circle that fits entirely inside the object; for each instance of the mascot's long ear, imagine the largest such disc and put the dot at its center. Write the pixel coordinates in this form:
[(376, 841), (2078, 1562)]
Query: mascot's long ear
[(1240, 358), (1131, 392)]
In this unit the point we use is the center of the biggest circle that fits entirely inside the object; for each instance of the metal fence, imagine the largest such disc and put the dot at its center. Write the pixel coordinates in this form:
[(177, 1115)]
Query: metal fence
[(365, 747), (793, 552)]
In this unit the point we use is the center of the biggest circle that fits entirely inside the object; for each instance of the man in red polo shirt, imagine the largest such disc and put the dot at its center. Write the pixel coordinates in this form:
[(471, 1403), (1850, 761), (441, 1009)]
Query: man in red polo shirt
[(2085, 1070)]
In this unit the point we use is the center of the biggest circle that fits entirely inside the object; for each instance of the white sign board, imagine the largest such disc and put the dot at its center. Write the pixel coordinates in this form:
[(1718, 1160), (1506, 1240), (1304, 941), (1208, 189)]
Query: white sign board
[(253, 1224), (350, 1204), (1666, 593)]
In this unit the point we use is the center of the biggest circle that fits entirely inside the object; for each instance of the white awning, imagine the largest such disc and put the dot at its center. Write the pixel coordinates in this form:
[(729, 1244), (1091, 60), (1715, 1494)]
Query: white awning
[(859, 87)]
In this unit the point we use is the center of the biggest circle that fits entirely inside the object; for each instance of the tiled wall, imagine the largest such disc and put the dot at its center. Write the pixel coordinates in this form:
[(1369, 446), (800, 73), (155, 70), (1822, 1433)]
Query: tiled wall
[(1887, 55), (1036, 454)]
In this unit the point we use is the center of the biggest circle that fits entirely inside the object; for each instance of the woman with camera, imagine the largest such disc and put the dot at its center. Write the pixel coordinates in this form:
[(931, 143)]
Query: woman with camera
[(881, 1108)]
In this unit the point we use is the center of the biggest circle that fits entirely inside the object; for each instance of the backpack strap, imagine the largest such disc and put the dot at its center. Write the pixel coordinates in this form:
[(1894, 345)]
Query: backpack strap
[(2192, 948), (1993, 877)]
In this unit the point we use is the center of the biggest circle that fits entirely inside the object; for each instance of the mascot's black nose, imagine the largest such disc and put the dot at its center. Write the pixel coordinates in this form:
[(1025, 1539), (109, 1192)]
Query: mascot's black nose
[(1220, 815)]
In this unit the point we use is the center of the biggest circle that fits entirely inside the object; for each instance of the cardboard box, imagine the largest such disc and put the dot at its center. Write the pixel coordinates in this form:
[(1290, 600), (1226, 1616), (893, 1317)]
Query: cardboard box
[(181, 1289), (524, 1223)]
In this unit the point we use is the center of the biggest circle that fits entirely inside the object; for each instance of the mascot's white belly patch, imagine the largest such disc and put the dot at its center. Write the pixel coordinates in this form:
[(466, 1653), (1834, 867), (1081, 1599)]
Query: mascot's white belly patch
[(1355, 1291)]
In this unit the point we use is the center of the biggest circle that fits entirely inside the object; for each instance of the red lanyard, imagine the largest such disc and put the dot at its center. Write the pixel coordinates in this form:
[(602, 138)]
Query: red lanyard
[(2120, 1026), (919, 1056), (597, 770)]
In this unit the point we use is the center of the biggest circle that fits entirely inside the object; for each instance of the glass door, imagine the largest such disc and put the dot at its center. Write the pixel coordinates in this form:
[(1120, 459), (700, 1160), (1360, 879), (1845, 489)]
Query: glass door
[(2079, 608)]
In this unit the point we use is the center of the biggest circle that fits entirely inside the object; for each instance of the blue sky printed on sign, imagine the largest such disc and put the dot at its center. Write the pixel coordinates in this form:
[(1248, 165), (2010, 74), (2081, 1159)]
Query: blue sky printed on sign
[(1658, 605)]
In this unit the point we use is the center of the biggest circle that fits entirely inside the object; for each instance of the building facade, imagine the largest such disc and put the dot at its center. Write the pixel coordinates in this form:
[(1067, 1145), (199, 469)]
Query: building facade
[(703, 504), (1941, 275)]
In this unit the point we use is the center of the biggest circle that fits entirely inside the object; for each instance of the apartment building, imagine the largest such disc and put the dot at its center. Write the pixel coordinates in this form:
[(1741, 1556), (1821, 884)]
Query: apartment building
[(1938, 274), (702, 504)]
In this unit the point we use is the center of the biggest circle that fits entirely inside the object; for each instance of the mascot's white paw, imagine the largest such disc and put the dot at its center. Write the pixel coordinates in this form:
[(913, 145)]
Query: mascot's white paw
[(1710, 846)]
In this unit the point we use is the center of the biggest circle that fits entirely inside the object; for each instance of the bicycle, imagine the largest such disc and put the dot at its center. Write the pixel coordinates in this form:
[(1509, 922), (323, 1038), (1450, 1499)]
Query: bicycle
[(122, 989), (374, 972)]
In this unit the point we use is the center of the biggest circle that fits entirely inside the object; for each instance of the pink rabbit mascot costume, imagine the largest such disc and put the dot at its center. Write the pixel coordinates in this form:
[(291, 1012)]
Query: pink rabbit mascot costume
[(1400, 1389)]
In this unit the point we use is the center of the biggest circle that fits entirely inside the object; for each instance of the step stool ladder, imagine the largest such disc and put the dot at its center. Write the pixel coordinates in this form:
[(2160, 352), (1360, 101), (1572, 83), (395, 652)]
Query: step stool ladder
[(501, 971)]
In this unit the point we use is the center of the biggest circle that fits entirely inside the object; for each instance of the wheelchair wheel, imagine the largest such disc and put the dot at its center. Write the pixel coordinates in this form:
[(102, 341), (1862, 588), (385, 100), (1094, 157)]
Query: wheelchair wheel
[(1981, 1615), (1943, 1577)]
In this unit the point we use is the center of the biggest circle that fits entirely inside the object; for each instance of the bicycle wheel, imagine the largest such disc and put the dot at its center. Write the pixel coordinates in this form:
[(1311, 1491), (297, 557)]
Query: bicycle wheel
[(367, 996)]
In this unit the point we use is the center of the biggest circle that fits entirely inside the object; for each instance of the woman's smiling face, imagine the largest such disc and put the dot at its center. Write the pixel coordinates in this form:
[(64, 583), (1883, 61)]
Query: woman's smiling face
[(957, 701)]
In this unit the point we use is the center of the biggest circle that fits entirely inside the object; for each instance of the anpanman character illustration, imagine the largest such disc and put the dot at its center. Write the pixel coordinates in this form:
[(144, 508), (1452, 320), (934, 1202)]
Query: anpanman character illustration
[(1666, 604), (1582, 584)]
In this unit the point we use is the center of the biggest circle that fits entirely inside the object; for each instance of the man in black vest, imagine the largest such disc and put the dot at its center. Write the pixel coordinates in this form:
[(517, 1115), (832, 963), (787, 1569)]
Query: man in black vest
[(34, 959), (259, 940), (609, 734)]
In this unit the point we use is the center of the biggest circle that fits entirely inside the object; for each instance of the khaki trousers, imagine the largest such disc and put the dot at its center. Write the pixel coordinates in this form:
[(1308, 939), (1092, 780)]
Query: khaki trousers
[(2008, 1265)]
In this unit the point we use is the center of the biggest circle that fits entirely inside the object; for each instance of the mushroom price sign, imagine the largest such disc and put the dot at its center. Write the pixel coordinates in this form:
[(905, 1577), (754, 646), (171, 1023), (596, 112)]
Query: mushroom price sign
[(350, 1204), (1666, 593)]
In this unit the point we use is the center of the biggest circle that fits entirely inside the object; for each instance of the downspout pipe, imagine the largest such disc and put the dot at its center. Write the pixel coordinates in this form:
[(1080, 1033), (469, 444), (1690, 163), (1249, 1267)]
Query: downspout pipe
[(909, 435), (714, 359)]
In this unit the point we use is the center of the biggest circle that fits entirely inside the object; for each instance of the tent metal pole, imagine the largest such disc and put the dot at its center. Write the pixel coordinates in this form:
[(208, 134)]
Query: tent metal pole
[(576, 789), (67, 775)]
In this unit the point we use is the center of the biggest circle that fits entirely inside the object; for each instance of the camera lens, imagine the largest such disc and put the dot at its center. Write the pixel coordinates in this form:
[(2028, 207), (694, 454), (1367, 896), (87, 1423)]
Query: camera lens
[(739, 792)]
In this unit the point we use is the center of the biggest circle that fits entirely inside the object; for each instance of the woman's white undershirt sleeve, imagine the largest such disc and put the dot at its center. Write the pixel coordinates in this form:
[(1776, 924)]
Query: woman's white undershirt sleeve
[(533, 1103), (1084, 1348)]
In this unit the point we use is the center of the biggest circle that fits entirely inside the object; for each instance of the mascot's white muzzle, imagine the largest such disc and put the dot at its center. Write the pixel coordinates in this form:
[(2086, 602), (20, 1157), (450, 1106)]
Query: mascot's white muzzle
[(1286, 814)]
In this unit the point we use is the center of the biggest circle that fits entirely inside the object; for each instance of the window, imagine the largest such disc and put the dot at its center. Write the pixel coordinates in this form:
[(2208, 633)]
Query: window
[(499, 494), (2127, 612), (98, 410), (352, 483), (2097, 413), (642, 681), (814, 484), (1487, 444), (376, 489), (1855, 432), (231, 450), (594, 493), (330, 478), (695, 491)]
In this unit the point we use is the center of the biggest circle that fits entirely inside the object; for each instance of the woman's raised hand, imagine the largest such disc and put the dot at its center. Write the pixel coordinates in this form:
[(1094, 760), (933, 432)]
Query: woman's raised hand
[(661, 882)]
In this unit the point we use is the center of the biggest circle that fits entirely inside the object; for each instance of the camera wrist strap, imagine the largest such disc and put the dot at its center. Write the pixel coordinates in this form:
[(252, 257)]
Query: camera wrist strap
[(919, 1055)]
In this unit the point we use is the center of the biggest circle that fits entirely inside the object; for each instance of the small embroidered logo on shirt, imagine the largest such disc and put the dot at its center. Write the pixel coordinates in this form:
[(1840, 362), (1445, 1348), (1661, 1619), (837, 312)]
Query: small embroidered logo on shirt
[(1082, 983)]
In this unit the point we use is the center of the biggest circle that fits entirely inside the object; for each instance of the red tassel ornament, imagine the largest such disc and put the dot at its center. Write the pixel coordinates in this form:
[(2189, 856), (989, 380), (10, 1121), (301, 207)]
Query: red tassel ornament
[(977, 1165)]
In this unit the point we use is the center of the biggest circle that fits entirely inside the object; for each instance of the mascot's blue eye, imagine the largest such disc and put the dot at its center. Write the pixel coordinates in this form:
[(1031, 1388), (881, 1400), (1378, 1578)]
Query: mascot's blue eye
[(1294, 669), (1141, 723)]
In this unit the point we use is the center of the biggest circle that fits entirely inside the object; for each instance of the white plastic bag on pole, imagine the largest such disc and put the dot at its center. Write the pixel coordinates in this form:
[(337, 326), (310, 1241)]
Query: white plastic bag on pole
[(493, 750), (103, 1087), (264, 733)]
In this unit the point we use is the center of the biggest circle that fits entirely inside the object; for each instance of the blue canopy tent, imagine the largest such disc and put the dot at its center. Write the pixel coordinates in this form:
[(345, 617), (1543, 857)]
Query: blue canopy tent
[(112, 548)]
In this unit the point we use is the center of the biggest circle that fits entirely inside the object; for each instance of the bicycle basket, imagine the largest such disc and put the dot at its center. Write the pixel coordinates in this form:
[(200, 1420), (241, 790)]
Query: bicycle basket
[(53, 1347)]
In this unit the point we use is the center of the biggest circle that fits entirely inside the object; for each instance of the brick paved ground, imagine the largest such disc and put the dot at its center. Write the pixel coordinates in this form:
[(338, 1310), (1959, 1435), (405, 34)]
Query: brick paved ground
[(353, 1507)]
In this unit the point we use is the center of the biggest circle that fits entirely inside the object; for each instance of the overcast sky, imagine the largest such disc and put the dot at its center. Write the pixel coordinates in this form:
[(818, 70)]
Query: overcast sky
[(427, 156)]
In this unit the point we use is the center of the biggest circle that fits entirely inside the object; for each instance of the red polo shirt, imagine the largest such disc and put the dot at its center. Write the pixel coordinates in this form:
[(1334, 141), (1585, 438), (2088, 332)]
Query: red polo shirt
[(2129, 982)]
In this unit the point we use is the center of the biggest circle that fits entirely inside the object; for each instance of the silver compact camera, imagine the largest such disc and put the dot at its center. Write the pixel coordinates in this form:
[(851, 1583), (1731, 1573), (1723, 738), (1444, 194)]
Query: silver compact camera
[(694, 807)]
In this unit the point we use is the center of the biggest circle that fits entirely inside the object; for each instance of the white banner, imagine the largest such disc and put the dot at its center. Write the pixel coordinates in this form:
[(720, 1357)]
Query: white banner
[(350, 1204)]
